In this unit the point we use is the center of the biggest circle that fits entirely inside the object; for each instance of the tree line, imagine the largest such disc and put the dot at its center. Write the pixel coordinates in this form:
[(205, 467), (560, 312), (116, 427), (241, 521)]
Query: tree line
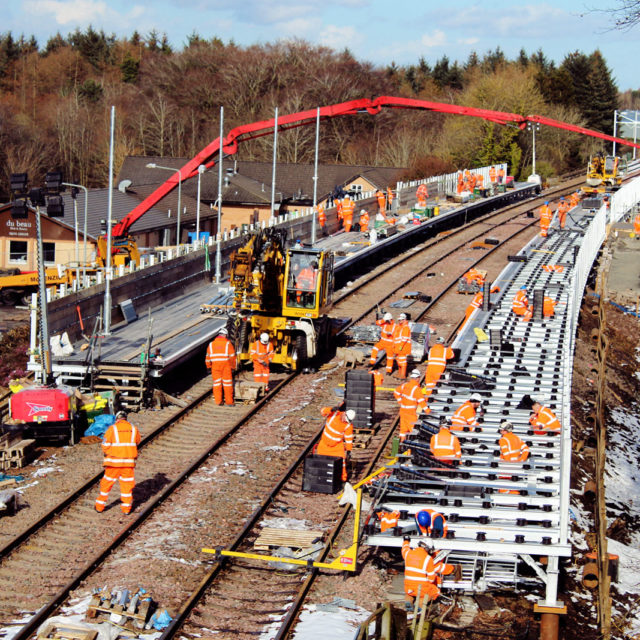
[(55, 102)]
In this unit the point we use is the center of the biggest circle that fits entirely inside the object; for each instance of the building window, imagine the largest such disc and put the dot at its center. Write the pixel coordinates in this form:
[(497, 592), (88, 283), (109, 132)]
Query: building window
[(18, 251), (49, 251)]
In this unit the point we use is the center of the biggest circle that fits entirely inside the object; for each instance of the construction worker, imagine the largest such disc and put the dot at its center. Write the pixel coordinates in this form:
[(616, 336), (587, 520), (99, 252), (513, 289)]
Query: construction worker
[(337, 437), (493, 175), (542, 419), (364, 221), (401, 346), (410, 397), (221, 359), (501, 175), (546, 216), (431, 523), (548, 307), (460, 187), (338, 203), (464, 418), (322, 216), (389, 198), (306, 280), (563, 208), (382, 205), (444, 445), (421, 195), (388, 327), (636, 226), (421, 573), (262, 353), (520, 305), (347, 213), (439, 353), (512, 448), (120, 447), (476, 303)]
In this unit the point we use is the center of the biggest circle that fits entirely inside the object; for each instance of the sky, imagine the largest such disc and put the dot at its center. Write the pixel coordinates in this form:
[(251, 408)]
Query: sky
[(378, 31)]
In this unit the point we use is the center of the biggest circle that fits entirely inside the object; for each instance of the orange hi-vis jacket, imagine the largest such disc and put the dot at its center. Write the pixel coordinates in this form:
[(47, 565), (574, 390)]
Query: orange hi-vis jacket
[(546, 216), (548, 307), (545, 420), (120, 444), (337, 437), (410, 396), (512, 448), (422, 193), (476, 303), (389, 196), (421, 572), (636, 225), (473, 275), (438, 355), (402, 338), (386, 334), (262, 353), (551, 268), (520, 305), (388, 519), (381, 200), (322, 216), (306, 280), (348, 206), (465, 416), (220, 352), (445, 445), (492, 174), (364, 221)]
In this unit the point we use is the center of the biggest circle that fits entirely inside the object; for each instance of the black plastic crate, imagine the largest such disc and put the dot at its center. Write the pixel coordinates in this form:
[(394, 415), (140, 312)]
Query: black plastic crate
[(322, 474)]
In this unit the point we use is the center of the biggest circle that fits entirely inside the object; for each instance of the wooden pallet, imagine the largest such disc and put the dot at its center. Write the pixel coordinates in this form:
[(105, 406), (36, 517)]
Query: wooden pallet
[(67, 631), (271, 537), (10, 438), (17, 456)]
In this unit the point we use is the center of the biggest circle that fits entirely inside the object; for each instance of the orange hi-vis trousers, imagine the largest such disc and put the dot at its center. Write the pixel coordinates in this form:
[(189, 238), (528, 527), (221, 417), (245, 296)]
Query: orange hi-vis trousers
[(127, 482), (222, 382)]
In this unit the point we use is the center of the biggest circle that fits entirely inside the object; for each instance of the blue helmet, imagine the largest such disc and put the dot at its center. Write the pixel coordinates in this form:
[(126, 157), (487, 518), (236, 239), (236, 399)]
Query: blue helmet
[(523, 288), (546, 202), (423, 518)]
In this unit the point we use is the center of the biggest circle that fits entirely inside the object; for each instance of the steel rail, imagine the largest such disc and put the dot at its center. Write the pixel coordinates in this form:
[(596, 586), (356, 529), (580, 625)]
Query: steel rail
[(30, 627)]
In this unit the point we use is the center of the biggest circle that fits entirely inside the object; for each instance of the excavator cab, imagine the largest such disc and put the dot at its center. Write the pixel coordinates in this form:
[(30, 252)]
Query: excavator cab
[(309, 283)]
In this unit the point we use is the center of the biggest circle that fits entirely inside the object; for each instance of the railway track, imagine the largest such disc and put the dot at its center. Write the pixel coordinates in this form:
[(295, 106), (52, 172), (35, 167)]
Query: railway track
[(64, 535)]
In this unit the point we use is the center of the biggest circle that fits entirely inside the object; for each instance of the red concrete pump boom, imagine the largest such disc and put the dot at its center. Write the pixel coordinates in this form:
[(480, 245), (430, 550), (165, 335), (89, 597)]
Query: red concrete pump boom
[(210, 154)]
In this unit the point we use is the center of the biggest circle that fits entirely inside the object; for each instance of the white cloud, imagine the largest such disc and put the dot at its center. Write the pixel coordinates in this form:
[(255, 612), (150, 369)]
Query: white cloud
[(468, 41), (436, 38), (340, 37), (69, 11)]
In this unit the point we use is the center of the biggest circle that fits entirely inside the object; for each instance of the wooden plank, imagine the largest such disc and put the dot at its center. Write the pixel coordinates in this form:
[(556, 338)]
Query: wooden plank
[(271, 537)]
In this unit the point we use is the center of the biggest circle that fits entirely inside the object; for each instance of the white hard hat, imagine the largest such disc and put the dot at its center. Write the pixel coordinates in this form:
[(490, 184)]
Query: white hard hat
[(362, 211), (387, 316), (506, 426), (475, 397), (121, 415), (351, 414), (414, 374), (440, 340), (402, 316), (264, 338), (223, 331)]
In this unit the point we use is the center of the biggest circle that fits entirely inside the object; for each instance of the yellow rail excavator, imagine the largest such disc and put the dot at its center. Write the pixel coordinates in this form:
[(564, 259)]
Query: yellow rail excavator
[(282, 292), (604, 174)]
